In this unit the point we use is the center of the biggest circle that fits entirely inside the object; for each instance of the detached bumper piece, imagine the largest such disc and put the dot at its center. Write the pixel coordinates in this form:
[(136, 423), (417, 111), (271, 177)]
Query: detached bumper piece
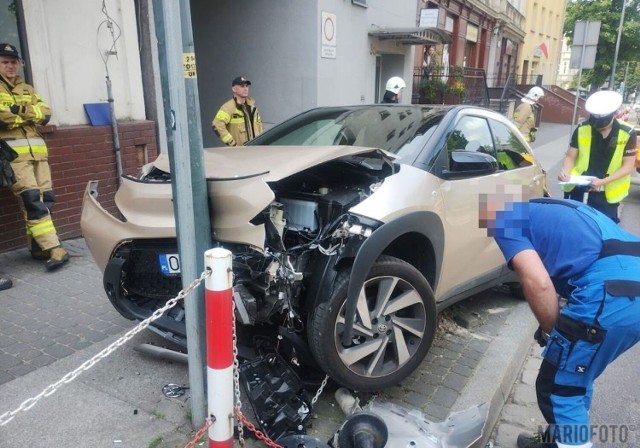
[(279, 401)]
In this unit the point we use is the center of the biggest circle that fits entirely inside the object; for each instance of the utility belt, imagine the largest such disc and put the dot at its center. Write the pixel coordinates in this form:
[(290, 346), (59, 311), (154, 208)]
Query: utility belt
[(574, 330)]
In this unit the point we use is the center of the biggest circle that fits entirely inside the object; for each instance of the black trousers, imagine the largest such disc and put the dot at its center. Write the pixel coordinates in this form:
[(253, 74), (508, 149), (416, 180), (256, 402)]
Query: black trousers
[(595, 199)]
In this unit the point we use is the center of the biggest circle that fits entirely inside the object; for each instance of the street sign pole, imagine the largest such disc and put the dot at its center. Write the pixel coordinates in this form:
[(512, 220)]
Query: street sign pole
[(188, 186), (583, 55), (615, 56)]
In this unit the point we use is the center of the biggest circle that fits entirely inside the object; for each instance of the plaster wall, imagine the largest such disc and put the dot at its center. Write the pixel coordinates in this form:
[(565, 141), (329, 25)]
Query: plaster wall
[(66, 41)]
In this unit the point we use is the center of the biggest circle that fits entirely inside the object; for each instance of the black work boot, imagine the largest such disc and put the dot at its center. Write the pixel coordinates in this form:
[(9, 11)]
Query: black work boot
[(59, 256), (537, 440)]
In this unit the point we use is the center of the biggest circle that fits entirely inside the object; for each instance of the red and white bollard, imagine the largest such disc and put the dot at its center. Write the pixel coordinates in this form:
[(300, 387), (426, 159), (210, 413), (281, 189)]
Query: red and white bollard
[(219, 331)]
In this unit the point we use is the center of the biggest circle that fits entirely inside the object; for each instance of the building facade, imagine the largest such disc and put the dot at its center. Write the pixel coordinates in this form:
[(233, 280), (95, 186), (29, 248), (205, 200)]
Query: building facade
[(485, 34), (542, 48)]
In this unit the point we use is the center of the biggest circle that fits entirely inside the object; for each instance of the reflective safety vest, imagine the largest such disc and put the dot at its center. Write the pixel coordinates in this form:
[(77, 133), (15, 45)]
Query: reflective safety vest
[(614, 191), (235, 125), (18, 127)]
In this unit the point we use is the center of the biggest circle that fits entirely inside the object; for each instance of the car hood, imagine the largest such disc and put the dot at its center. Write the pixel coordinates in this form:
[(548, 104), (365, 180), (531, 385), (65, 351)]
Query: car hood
[(238, 182), (270, 163)]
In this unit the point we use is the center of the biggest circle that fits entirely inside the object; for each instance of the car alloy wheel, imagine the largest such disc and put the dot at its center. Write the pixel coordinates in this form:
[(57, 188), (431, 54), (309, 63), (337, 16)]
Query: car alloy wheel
[(393, 331)]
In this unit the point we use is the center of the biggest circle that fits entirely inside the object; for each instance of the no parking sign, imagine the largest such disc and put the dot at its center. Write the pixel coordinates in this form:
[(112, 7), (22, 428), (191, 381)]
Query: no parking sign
[(328, 30)]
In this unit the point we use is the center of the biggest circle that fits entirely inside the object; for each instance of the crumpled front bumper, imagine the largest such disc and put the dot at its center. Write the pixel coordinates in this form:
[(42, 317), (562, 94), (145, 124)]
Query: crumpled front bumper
[(147, 210)]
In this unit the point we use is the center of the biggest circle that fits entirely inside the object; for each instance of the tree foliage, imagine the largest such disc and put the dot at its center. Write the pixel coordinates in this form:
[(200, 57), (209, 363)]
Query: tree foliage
[(609, 12)]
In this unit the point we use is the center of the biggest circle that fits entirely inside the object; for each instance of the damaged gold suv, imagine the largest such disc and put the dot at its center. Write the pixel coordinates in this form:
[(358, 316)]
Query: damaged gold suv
[(350, 228)]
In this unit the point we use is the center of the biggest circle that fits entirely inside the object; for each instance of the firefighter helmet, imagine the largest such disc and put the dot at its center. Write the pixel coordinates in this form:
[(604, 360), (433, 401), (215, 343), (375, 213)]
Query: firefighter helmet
[(395, 84), (533, 95)]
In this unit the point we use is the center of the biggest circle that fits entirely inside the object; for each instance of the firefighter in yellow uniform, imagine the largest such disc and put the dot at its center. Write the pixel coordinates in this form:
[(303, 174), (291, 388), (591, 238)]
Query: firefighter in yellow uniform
[(524, 116), (238, 120), (21, 109), (605, 149)]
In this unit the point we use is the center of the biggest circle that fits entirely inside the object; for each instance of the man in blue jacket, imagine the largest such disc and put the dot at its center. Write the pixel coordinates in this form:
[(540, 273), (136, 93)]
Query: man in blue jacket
[(566, 248)]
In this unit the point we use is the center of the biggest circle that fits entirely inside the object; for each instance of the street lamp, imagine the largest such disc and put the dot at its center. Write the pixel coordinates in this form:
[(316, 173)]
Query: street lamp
[(615, 56)]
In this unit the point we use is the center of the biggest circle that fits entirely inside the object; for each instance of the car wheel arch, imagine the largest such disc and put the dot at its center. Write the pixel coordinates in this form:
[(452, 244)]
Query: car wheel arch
[(424, 222)]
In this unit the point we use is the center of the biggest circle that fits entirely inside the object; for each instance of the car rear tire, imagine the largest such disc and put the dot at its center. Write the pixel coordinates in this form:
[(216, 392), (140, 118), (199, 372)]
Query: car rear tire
[(395, 324)]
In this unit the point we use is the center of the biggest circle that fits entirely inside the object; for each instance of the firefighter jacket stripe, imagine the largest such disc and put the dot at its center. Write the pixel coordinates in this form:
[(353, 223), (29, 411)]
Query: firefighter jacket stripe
[(19, 129)]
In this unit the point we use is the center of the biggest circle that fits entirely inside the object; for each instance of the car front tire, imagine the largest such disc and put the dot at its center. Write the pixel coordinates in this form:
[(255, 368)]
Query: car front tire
[(395, 324)]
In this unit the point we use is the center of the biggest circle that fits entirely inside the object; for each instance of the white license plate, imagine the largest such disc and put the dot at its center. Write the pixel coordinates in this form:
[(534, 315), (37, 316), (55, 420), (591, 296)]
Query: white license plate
[(169, 263)]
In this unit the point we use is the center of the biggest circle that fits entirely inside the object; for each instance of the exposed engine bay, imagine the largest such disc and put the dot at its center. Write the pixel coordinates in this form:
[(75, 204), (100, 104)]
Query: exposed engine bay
[(308, 228)]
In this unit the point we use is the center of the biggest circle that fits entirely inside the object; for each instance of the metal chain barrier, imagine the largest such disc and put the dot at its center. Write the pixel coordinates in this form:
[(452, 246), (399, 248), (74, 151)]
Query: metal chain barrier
[(199, 434), (52, 388), (320, 389), (251, 427), (236, 379)]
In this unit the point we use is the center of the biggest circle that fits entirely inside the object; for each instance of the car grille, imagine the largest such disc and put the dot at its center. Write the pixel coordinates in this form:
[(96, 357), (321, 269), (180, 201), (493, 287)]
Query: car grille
[(142, 277)]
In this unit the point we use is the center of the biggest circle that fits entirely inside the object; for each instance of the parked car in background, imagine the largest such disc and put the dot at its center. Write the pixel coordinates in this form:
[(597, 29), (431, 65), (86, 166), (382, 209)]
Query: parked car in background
[(381, 199)]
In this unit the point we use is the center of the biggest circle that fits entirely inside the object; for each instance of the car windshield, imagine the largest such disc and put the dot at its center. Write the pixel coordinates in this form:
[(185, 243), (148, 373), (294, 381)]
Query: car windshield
[(400, 130)]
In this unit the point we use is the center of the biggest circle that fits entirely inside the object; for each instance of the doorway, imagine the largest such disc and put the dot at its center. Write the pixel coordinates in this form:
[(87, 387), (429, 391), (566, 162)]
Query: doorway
[(387, 66)]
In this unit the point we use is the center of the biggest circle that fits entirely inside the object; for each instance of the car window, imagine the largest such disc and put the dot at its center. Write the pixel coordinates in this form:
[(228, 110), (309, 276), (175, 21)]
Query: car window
[(400, 130), (471, 134), (511, 153), (321, 132)]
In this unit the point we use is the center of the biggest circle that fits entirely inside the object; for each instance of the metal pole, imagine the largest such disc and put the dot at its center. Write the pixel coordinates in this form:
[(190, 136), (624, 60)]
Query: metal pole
[(578, 87), (624, 81), (189, 188), (615, 56), (114, 131)]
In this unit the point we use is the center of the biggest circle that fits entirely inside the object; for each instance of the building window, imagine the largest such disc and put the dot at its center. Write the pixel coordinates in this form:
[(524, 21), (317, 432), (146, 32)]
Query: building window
[(11, 29)]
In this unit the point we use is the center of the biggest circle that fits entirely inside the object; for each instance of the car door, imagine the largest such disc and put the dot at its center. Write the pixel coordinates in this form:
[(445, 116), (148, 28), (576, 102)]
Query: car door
[(471, 259)]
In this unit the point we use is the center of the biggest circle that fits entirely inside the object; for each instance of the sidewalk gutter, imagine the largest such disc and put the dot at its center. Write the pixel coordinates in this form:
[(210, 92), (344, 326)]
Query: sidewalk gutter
[(499, 367)]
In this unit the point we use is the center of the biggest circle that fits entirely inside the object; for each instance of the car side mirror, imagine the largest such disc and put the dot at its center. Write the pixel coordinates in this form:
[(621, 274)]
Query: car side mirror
[(464, 164)]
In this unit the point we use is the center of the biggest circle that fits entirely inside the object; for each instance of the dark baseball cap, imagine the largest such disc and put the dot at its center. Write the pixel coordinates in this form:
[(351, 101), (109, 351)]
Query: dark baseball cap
[(9, 50), (239, 81)]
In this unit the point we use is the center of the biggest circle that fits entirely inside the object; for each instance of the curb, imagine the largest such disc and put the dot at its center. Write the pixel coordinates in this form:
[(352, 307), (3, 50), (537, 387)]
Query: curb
[(499, 368)]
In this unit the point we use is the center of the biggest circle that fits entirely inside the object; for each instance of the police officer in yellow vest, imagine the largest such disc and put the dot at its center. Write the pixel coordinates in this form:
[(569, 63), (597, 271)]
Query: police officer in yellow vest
[(238, 120), (21, 109), (602, 147)]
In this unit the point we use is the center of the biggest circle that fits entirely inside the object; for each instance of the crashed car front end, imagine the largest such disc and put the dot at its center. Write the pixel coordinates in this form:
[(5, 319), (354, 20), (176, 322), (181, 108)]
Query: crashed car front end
[(287, 227)]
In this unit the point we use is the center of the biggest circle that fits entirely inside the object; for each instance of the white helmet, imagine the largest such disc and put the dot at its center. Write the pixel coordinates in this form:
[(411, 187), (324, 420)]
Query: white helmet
[(533, 95), (395, 84), (603, 102)]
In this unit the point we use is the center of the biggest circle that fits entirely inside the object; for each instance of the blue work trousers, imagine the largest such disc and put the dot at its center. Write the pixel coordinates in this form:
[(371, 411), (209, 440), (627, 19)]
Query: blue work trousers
[(600, 322)]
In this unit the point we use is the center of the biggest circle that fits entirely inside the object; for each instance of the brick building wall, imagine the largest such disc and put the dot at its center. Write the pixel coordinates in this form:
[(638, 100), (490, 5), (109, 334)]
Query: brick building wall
[(78, 154)]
